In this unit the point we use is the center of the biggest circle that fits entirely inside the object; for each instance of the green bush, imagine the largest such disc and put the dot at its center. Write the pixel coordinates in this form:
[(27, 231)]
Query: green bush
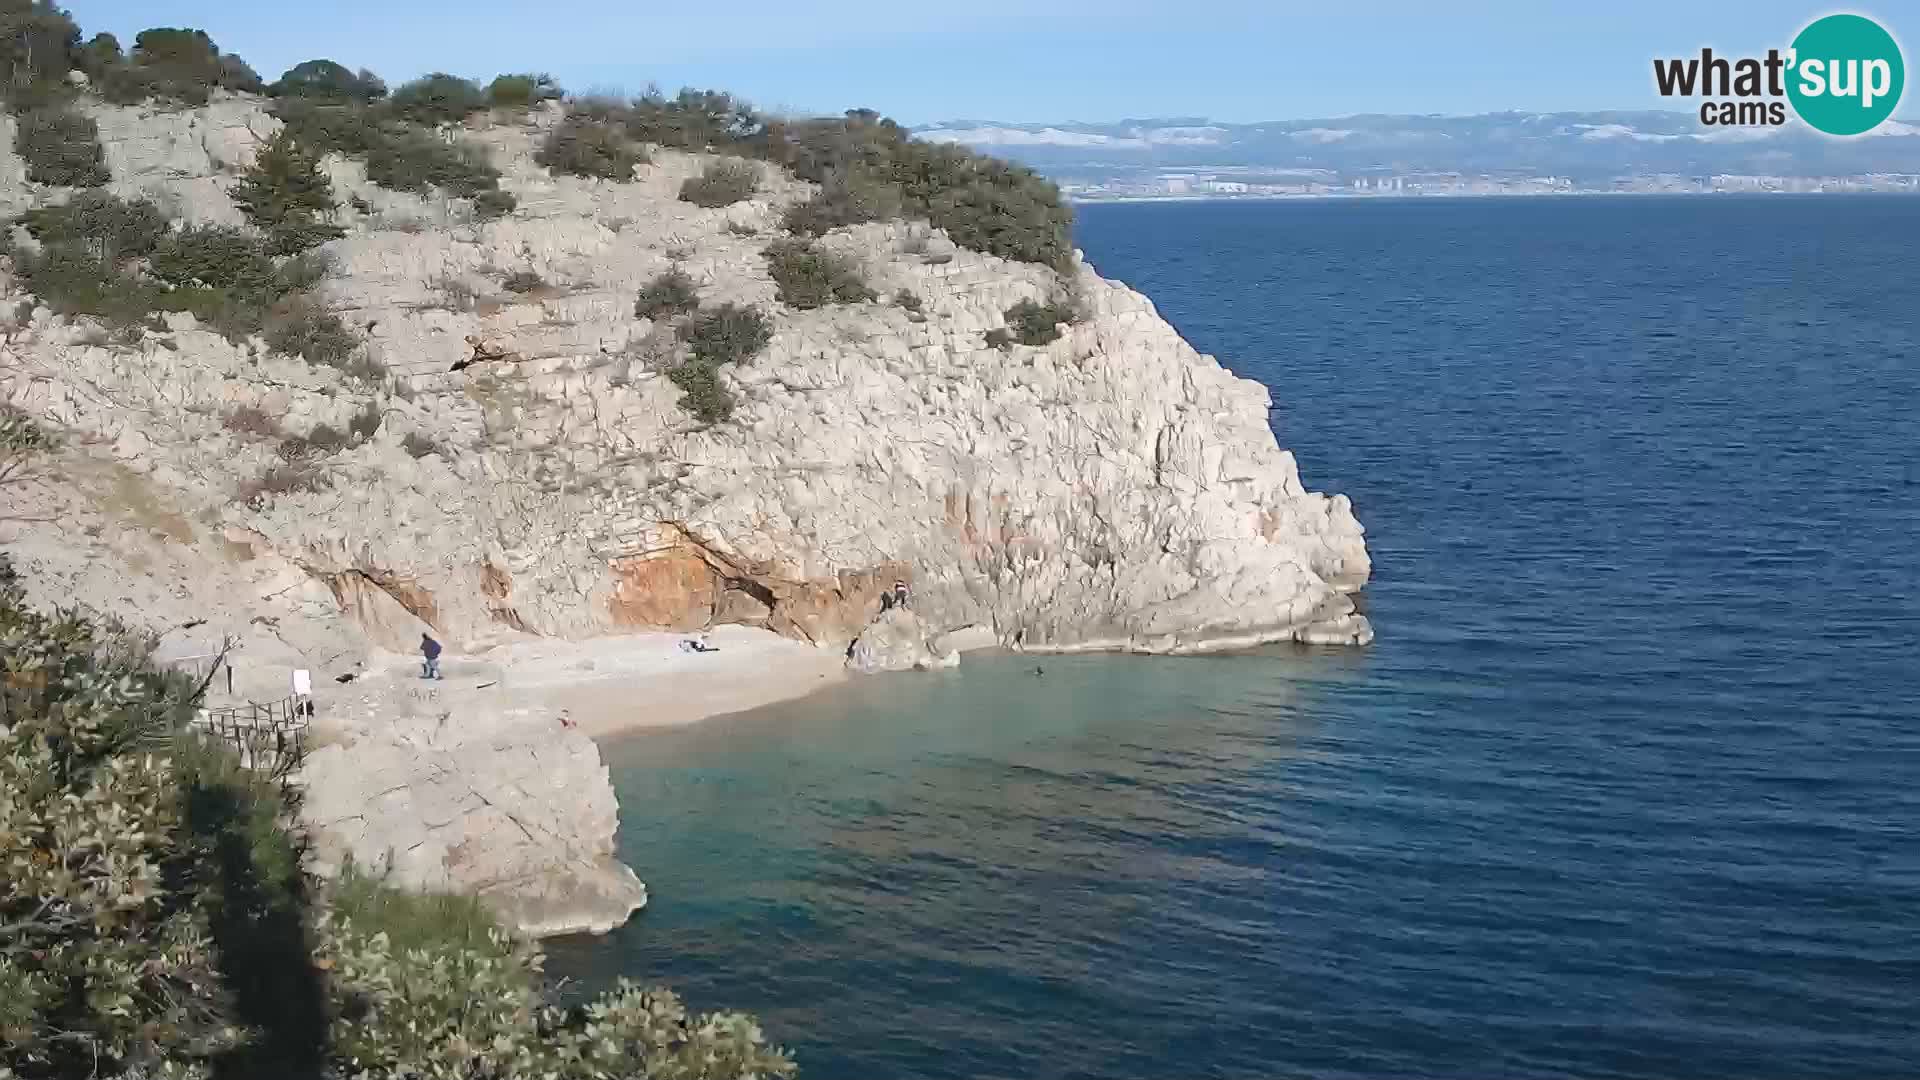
[(722, 184), (101, 54), (522, 91), (329, 81), (523, 281), (399, 157), (287, 196), (73, 281), (1032, 323), (437, 99), (870, 168), (691, 120), (60, 147), (728, 334), (669, 295), (159, 921), (217, 257), (22, 444), (809, 278), (348, 128), (703, 394), (37, 43), (416, 162), (107, 226), (1000, 338), (176, 65), (848, 199), (302, 327), (585, 147), (492, 204)]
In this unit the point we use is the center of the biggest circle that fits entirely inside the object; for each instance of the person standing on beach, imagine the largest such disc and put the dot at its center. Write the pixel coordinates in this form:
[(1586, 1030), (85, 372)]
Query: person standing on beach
[(430, 653)]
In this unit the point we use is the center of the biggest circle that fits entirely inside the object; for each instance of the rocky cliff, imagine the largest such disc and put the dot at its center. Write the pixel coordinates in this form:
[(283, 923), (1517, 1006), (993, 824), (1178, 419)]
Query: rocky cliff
[(1113, 489)]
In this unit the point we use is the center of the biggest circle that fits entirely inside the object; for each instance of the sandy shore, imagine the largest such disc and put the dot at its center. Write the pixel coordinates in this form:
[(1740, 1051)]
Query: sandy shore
[(612, 685), (604, 686)]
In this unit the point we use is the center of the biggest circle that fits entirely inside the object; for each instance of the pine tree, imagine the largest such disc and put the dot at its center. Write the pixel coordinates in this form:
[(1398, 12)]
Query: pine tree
[(287, 197)]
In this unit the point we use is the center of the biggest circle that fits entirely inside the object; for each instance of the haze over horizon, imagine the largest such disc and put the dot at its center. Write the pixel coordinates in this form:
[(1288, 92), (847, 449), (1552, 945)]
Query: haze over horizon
[(1058, 61)]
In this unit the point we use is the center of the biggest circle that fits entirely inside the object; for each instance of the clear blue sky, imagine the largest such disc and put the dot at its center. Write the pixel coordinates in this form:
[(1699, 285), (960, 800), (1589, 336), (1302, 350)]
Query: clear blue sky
[(1040, 60)]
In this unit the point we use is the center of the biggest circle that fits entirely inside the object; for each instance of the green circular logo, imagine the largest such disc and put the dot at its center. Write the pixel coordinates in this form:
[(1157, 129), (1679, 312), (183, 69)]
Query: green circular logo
[(1845, 75)]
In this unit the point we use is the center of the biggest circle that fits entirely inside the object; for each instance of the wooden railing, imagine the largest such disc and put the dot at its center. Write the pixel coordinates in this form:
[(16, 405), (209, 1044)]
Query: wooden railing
[(269, 736)]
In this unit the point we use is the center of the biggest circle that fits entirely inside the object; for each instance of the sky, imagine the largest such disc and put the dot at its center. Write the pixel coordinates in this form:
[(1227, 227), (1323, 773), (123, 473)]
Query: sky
[(1236, 61)]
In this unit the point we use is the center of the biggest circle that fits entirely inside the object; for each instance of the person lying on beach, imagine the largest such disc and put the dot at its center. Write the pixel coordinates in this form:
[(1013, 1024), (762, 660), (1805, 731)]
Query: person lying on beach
[(698, 644)]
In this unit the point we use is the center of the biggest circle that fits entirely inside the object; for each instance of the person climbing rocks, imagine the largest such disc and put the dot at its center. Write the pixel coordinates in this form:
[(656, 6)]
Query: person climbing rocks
[(894, 597), (430, 656)]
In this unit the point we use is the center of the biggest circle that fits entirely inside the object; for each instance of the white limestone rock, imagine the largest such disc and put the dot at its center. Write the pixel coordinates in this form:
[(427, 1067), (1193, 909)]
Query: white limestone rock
[(898, 640), (504, 805)]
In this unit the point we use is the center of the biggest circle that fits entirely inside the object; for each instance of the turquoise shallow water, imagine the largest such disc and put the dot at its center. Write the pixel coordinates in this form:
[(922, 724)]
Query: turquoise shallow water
[(1627, 787)]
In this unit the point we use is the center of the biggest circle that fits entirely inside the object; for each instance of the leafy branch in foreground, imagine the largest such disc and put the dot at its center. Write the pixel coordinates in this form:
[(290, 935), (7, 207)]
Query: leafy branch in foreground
[(156, 919)]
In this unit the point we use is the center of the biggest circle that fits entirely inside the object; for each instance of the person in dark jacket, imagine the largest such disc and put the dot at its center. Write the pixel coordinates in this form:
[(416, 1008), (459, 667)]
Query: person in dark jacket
[(430, 653)]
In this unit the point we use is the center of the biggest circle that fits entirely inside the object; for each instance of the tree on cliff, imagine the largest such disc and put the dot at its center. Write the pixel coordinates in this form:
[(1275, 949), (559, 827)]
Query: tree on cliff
[(328, 80), (287, 196), (177, 65), (158, 918), (37, 42)]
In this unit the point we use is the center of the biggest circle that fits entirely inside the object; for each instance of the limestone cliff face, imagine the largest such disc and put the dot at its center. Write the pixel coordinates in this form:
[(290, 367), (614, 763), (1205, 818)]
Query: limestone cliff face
[(1114, 489)]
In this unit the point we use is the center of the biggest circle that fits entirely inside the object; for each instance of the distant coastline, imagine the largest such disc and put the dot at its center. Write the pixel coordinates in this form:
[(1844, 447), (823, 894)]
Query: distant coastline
[(1408, 196)]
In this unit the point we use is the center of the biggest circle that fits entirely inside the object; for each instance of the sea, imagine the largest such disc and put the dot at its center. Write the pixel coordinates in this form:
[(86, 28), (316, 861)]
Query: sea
[(1628, 787)]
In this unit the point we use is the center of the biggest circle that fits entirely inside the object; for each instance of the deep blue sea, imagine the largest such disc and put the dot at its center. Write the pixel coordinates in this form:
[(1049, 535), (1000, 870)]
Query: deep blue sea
[(1628, 787)]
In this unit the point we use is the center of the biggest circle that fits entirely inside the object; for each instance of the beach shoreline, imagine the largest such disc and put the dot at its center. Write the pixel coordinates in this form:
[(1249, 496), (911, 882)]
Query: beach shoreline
[(604, 687)]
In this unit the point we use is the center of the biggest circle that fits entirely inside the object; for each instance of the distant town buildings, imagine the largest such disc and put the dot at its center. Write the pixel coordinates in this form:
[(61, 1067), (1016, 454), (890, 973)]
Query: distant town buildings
[(1250, 182)]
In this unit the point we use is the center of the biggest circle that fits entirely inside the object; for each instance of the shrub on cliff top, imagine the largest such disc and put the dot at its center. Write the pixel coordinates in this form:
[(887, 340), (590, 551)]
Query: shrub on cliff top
[(871, 168), (37, 41), (181, 66), (522, 91), (585, 147), (722, 184), (61, 147), (327, 80), (808, 277), (287, 196), (691, 120), (436, 99), (399, 156)]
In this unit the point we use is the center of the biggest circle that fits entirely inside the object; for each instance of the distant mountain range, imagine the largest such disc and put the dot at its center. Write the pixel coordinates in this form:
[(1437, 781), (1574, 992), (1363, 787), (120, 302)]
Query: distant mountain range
[(1585, 146)]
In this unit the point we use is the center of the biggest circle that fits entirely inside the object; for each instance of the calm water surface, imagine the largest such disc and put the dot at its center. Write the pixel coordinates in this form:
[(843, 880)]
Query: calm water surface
[(1628, 787)]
